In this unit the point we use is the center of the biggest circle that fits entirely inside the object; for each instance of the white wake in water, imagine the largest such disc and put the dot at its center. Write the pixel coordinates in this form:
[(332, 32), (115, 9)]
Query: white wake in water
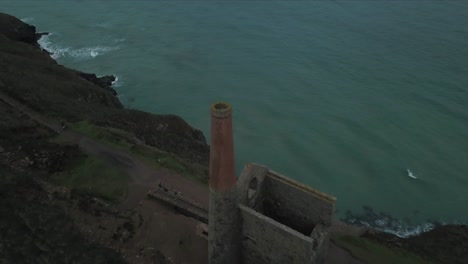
[(410, 174), (80, 53)]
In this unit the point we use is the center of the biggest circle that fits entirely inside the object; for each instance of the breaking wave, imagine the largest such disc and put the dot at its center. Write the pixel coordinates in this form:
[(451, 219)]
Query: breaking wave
[(118, 81), (399, 229), (46, 44), (27, 19), (80, 53), (385, 222)]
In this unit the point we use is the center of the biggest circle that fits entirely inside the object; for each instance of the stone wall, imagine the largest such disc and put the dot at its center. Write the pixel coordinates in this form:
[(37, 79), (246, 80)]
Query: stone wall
[(265, 241), (180, 204), (278, 220), (298, 203), (250, 184), (224, 227), (321, 240)]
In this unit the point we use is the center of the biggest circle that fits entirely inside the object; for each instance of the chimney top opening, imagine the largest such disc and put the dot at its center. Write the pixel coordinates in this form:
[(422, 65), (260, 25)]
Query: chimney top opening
[(221, 106), (221, 109)]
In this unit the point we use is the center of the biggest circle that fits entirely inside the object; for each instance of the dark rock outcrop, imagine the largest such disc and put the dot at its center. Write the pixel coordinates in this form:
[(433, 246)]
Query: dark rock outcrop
[(41, 34), (17, 30), (104, 82)]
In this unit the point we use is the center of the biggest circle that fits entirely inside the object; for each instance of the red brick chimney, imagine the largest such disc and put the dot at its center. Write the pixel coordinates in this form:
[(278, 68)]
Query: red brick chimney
[(222, 165)]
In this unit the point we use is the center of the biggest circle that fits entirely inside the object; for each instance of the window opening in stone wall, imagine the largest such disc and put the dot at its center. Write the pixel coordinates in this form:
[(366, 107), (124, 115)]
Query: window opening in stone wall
[(253, 185)]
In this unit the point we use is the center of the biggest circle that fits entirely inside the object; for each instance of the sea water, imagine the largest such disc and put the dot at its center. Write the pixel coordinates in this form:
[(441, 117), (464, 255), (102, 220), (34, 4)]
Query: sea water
[(365, 100)]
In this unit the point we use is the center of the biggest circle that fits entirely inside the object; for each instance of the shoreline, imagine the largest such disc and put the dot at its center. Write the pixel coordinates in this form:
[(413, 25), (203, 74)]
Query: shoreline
[(131, 99), (105, 82), (398, 227)]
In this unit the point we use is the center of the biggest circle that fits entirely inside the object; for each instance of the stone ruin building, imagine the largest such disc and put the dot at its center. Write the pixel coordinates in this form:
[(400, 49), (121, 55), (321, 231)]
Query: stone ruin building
[(262, 217)]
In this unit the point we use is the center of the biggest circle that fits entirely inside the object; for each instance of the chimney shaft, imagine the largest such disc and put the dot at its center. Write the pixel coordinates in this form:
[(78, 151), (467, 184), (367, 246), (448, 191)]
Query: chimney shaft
[(223, 222), (222, 165)]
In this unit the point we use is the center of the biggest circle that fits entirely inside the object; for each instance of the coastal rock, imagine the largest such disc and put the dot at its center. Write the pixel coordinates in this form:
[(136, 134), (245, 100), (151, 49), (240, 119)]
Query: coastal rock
[(104, 82), (34, 78), (38, 37), (40, 34), (15, 29)]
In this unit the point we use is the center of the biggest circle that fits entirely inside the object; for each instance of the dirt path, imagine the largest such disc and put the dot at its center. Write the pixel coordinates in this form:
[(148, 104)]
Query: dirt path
[(143, 176), (162, 228)]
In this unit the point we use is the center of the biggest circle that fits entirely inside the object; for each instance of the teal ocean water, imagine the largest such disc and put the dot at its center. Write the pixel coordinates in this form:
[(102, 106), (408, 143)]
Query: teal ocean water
[(351, 97)]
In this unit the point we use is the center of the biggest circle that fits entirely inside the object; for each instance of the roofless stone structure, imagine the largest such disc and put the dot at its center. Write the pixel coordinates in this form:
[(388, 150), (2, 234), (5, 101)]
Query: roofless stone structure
[(262, 217)]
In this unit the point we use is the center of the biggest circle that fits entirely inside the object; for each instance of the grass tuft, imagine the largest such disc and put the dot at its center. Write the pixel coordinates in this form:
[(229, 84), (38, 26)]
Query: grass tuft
[(153, 157), (95, 176)]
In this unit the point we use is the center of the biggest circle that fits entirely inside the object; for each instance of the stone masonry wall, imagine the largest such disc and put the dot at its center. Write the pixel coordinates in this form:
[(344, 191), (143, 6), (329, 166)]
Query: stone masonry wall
[(321, 240), (247, 196), (300, 205), (224, 228), (265, 241)]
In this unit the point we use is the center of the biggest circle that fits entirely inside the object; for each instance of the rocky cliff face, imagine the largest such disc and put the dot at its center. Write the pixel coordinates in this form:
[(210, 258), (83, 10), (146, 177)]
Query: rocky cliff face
[(32, 77), (14, 29), (41, 222)]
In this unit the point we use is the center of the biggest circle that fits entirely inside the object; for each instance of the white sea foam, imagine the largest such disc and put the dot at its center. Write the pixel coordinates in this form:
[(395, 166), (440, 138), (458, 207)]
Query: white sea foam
[(46, 44), (408, 231), (118, 82), (402, 231), (89, 52), (27, 19), (119, 40), (381, 222), (399, 229), (81, 53)]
